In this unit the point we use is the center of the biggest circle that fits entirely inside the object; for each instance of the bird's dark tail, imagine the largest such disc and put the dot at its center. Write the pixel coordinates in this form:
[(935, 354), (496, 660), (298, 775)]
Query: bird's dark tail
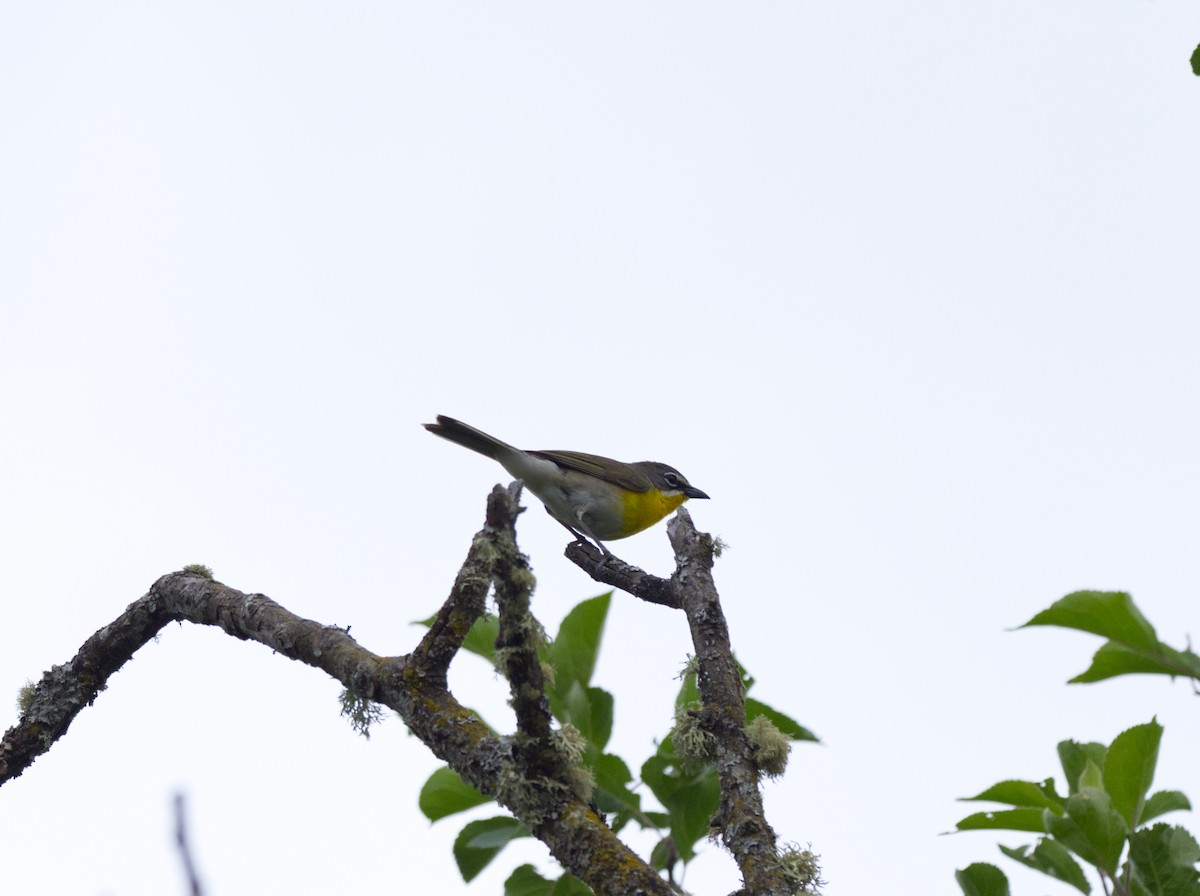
[(467, 436)]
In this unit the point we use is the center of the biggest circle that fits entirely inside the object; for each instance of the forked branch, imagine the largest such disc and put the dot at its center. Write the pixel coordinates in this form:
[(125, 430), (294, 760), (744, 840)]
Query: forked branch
[(525, 771), (740, 819)]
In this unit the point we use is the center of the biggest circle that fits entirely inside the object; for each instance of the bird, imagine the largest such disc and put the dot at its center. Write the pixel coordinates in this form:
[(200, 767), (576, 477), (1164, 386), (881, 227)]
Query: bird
[(596, 498)]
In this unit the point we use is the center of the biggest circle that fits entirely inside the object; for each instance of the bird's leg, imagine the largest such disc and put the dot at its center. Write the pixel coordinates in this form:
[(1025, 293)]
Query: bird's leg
[(585, 536), (582, 527)]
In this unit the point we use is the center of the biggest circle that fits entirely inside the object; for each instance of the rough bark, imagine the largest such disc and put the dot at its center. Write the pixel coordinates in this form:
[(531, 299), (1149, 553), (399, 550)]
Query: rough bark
[(525, 771), (740, 819)]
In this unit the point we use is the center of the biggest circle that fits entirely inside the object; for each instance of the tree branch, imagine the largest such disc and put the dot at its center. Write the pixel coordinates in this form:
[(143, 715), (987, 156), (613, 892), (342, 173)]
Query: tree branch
[(740, 818), (185, 849), (468, 596), (517, 657), (616, 572), (414, 686)]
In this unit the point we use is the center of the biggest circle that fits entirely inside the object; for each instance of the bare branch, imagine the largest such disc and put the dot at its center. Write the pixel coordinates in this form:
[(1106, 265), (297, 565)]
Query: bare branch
[(185, 850)]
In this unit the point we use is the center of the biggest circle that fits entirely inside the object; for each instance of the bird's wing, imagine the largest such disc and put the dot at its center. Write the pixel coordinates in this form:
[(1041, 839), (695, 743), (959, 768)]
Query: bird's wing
[(625, 475)]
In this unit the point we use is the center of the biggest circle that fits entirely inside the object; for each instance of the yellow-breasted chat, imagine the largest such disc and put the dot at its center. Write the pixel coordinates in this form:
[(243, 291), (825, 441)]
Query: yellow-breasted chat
[(595, 497)]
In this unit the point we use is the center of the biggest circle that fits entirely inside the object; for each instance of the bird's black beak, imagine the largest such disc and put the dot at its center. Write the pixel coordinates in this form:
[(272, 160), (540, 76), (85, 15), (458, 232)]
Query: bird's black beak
[(692, 492)]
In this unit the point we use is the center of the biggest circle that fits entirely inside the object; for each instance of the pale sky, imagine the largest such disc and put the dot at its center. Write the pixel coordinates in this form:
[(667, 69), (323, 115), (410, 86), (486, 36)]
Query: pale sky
[(908, 288)]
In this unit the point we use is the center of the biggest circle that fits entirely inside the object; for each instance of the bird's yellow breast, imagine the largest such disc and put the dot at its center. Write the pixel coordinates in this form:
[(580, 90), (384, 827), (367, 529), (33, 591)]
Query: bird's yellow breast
[(643, 509)]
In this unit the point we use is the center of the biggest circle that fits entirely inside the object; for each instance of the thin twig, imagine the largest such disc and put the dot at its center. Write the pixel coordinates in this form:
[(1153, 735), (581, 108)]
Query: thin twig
[(185, 852)]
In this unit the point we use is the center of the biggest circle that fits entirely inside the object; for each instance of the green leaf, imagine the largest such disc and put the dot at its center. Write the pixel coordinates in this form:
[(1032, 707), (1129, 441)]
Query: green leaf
[(481, 841), (1113, 659), (659, 820), (663, 855), (784, 723), (569, 885), (1051, 858), (1111, 614), (1196, 60), (1091, 829), (1129, 769), (689, 695), (1163, 860), (1093, 776), (445, 793), (1005, 820), (588, 709), (982, 879), (1075, 758), (573, 651), (747, 679), (525, 881), (1162, 802), (612, 792), (481, 639), (1021, 793), (690, 799)]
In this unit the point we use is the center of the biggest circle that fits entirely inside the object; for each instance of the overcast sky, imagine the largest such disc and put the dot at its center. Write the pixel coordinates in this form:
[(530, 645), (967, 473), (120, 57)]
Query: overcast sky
[(910, 289)]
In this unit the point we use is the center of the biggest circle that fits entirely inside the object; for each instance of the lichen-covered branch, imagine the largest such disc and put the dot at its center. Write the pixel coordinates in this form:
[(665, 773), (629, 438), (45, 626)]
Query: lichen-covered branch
[(517, 658), (414, 686), (468, 596), (740, 818), (48, 708)]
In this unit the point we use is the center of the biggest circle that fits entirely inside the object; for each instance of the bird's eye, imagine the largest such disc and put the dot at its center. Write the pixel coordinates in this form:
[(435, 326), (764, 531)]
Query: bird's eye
[(671, 479)]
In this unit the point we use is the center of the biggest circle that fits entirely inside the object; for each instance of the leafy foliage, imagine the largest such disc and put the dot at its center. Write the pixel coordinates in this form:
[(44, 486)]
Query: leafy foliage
[(1098, 821), (445, 793), (1103, 820), (1163, 860), (525, 881), (685, 788), (480, 841), (982, 879), (690, 797), (1132, 646)]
